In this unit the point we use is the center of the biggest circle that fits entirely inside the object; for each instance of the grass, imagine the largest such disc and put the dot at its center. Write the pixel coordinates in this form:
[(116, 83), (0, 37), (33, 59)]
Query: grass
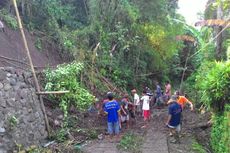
[(131, 143), (198, 147)]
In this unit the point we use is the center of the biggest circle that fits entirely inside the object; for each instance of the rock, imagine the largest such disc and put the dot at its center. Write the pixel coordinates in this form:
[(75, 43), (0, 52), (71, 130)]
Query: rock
[(60, 117), (2, 94), (2, 130), (37, 115), (31, 136), (27, 75), (12, 81), (2, 75), (2, 102), (7, 87), (57, 123), (23, 102), (10, 70), (30, 110), (11, 102), (20, 78), (24, 93), (9, 75), (1, 85), (100, 136), (23, 85)]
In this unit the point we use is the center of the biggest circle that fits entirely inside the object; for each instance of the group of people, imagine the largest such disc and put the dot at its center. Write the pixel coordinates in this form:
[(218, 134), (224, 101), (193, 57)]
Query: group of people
[(119, 112)]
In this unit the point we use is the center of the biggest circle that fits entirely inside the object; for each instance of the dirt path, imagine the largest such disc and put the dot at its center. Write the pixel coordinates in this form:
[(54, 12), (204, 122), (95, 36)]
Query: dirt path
[(156, 139)]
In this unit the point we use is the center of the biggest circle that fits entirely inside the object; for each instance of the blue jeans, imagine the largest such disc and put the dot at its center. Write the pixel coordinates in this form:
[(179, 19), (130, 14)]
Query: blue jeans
[(113, 127)]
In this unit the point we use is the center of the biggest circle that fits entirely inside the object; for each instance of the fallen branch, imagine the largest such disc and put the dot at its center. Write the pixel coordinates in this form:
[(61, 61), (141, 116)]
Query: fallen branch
[(15, 65), (12, 59), (51, 92), (202, 126)]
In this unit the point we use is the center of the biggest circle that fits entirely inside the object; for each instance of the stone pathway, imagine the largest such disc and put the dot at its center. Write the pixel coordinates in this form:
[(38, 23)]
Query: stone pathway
[(155, 140)]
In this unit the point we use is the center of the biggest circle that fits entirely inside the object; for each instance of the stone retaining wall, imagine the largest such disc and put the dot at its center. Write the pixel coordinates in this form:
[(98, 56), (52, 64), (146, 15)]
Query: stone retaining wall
[(21, 118)]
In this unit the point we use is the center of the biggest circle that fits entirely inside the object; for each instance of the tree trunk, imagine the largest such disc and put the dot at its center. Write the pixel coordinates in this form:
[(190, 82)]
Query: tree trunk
[(219, 39)]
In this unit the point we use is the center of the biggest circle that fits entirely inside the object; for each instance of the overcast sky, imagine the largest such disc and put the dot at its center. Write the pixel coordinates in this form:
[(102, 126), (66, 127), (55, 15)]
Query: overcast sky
[(190, 8)]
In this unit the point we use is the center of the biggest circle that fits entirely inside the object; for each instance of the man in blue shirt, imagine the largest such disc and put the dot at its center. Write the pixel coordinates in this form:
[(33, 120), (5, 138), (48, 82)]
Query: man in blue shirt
[(112, 109), (159, 100), (174, 118)]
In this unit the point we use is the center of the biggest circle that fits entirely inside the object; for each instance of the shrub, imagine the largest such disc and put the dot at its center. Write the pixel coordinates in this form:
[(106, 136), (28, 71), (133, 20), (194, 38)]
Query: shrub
[(213, 81), (220, 134), (65, 77), (9, 19)]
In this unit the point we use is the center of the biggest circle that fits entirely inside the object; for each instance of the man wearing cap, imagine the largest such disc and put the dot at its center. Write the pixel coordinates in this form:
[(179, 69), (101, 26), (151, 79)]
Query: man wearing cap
[(112, 109), (174, 118)]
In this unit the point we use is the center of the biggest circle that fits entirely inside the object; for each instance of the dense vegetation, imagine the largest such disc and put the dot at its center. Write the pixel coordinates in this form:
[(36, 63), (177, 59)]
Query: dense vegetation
[(128, 44)]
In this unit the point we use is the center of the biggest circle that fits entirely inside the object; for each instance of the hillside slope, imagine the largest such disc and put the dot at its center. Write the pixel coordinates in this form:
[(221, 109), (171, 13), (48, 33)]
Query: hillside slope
[(11, 46)]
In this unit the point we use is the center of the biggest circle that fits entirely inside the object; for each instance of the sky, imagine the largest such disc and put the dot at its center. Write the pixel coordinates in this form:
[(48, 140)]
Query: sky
[(190, 8)]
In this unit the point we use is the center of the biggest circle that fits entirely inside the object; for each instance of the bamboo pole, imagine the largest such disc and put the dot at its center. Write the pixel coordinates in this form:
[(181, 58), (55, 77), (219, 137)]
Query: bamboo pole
[(183, 73), (31, 65)]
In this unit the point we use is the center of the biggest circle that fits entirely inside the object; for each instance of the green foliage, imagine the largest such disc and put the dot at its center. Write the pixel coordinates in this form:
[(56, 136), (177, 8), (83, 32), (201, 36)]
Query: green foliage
[(198, 148), (131, 143), (61, 135), (214, 83), (38, 44), (220, 134), (66, 77), (9, 19), (13, 121)]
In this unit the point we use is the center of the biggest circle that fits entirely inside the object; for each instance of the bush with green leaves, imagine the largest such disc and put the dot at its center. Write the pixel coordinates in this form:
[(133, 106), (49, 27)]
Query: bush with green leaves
[(213, 83), (9, 19), (198, 148), (66, 77), (220, 134)]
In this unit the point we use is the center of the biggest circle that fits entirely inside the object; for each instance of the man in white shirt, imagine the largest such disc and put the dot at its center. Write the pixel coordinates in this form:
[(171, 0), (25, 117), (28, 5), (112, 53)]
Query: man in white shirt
[(136, 102), (145, 108)]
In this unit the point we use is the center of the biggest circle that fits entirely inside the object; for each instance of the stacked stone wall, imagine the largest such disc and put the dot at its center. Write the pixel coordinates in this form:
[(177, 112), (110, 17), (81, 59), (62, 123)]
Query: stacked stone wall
[(21, 117)]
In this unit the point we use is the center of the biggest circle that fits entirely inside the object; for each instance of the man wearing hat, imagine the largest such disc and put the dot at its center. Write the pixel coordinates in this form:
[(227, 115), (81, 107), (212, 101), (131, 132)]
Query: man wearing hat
[(112, 109), (174, 118)]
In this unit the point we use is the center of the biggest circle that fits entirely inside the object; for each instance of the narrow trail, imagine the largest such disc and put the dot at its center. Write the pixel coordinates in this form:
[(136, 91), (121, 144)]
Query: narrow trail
[(155, 137)]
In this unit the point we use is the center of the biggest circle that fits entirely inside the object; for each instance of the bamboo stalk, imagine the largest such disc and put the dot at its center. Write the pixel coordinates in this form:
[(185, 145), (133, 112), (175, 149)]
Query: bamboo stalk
[(31, 65)]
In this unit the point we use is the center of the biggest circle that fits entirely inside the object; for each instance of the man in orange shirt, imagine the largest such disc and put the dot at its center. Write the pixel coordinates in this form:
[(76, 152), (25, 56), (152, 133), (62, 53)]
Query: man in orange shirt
[(182, 100)]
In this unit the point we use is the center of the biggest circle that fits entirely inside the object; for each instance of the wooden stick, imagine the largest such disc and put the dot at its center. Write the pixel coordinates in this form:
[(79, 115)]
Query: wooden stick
[(14, 60), (15, 65), (32, 67), (51, 92), (11, 59)]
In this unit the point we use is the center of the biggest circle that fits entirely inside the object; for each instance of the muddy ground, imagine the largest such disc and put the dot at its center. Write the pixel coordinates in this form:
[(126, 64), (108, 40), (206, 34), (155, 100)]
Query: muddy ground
[(88, 132)]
